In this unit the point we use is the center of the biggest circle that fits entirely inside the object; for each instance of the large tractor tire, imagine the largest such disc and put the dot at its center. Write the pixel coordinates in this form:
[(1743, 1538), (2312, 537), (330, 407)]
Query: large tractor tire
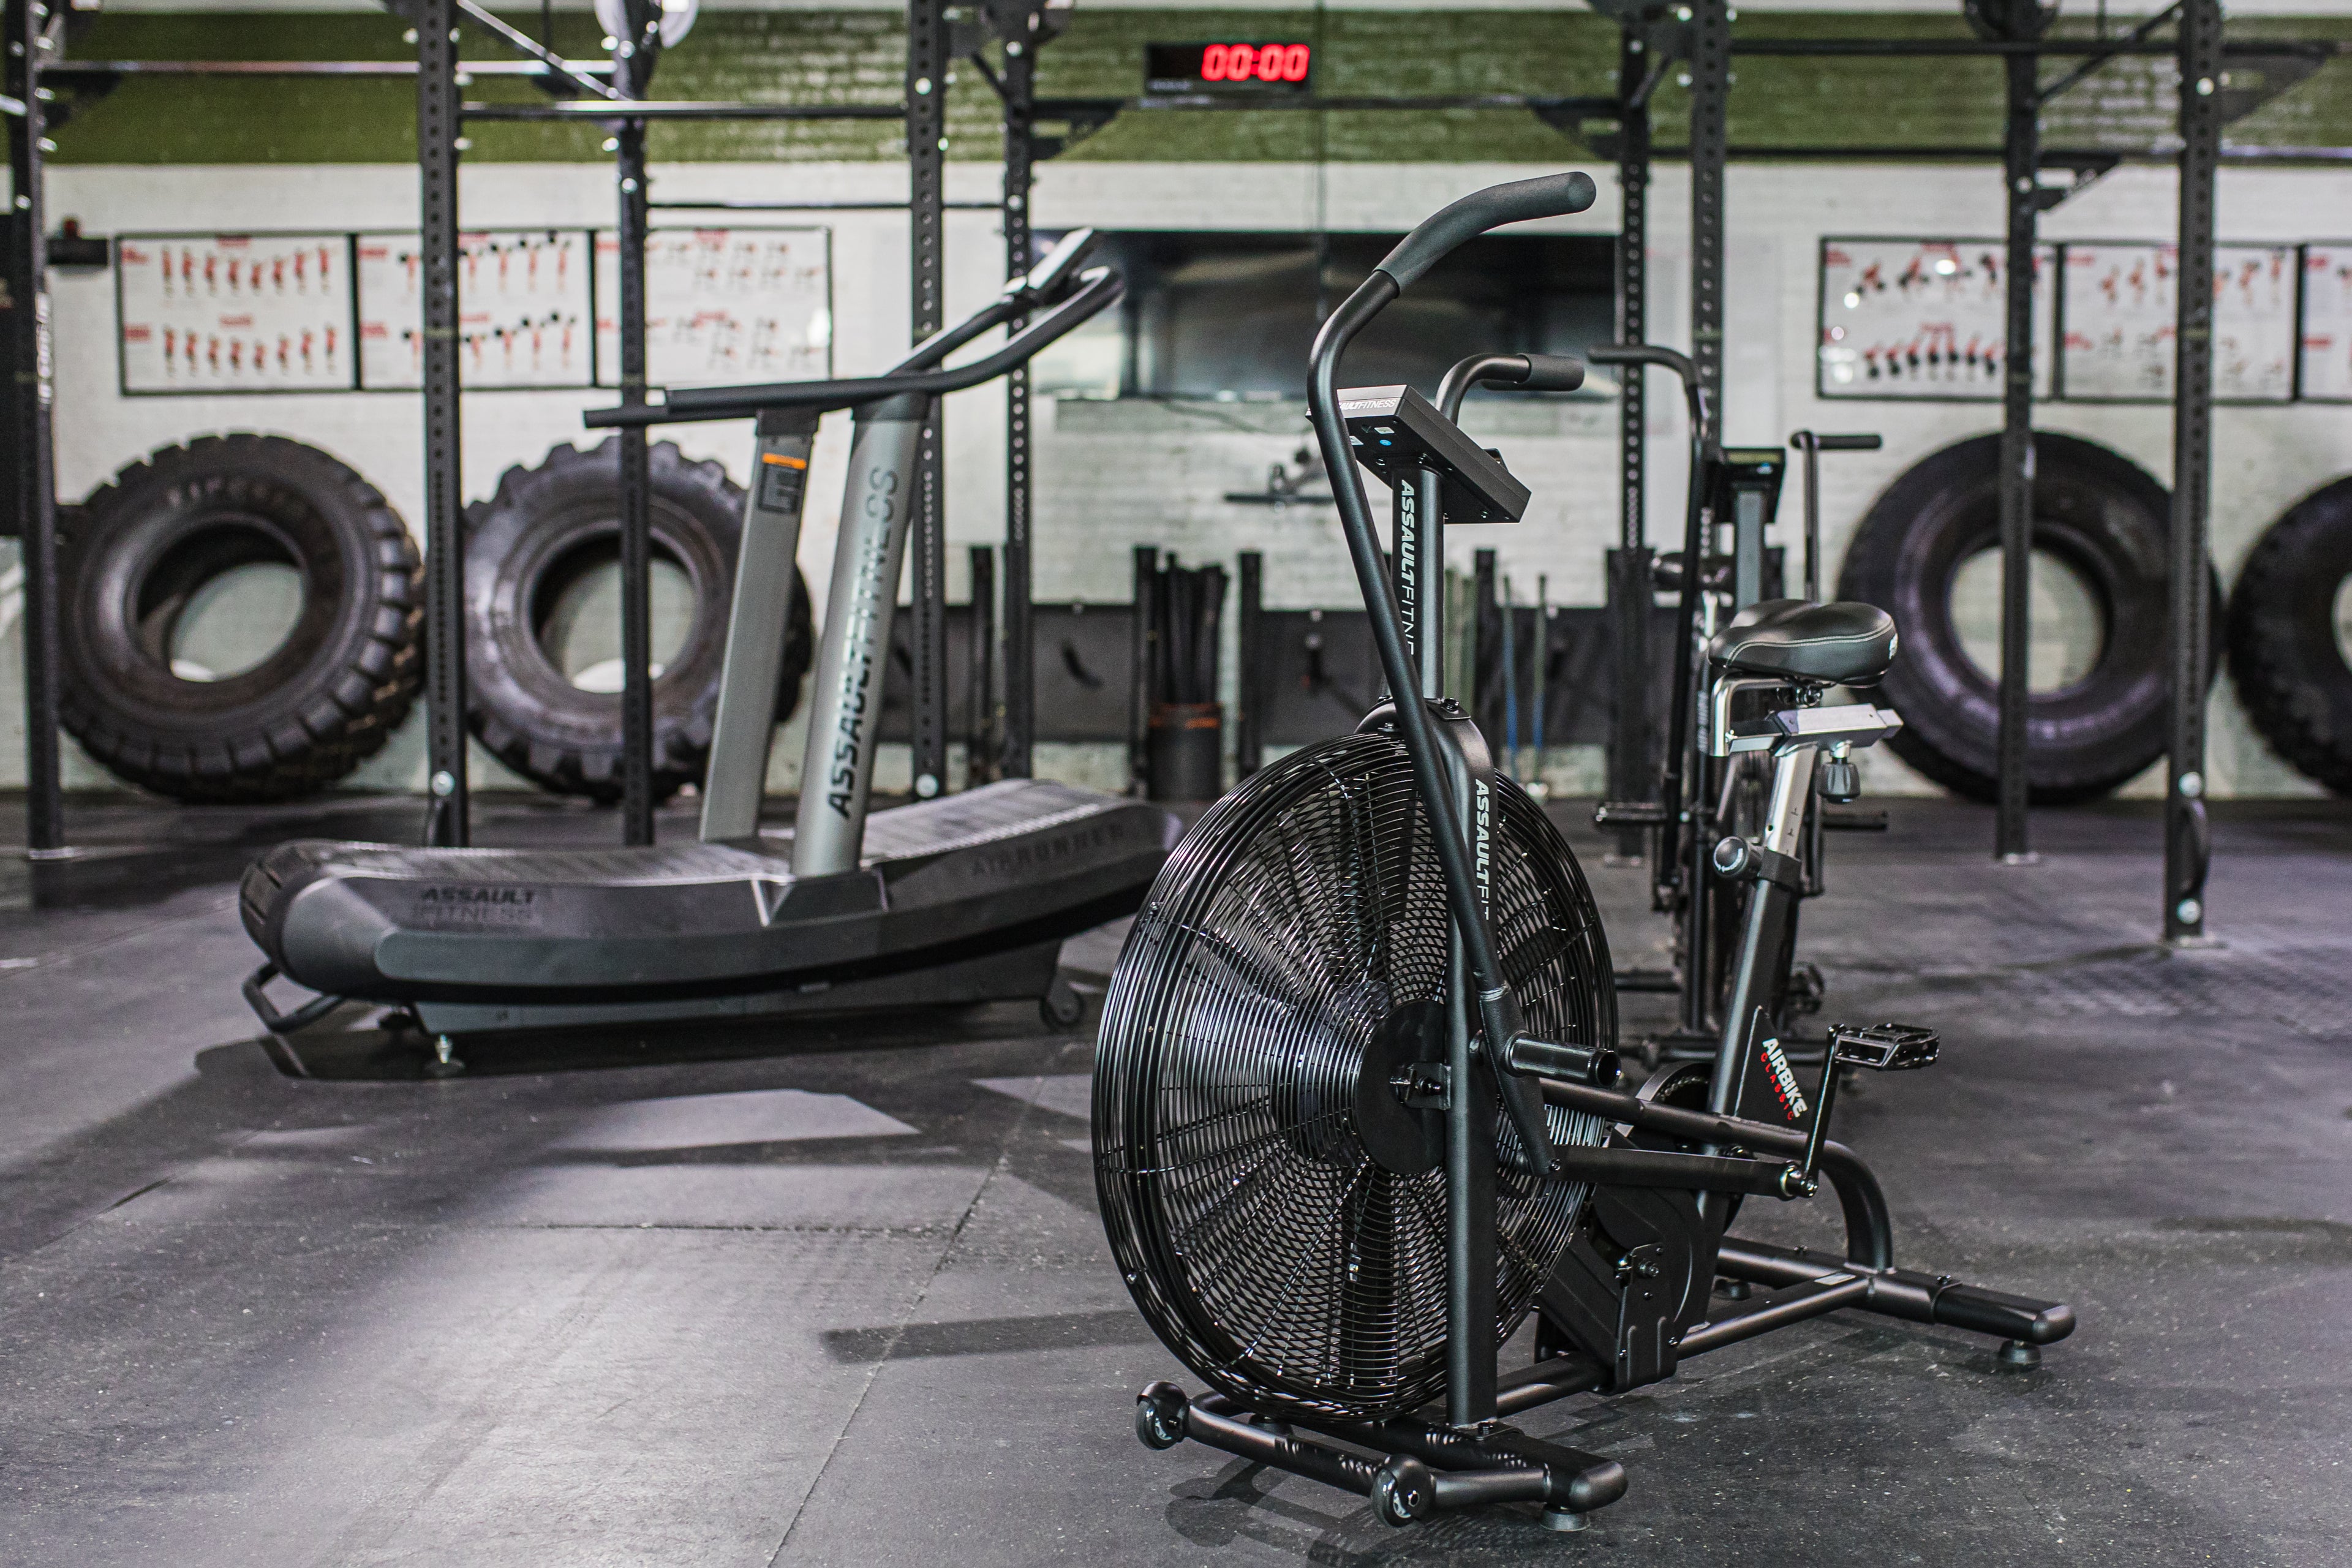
[(2290, 636), (2097, 512), (533, 544), (150, 556)]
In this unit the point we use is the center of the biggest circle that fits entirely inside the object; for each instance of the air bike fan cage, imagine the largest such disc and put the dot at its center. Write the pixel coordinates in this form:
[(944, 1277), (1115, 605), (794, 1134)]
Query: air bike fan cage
[(1277, 1209)]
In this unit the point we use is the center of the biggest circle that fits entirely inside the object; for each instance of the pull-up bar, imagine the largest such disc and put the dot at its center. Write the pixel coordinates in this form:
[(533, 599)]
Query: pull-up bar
[(657, 108), (68, 71)]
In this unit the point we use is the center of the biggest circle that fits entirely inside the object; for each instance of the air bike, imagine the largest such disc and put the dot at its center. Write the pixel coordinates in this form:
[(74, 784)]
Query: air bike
[(962, 898), (1704, 797), (1356, 1109)]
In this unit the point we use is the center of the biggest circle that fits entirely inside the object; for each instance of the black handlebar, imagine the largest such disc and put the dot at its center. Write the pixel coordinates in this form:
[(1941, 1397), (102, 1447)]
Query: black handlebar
[(1643, 353), (1552, 372), (1528, 372), (1552, 195), (1693, 394), (1811, 443), (1704, 454), (1099, 288), (1052, 275), (1499, 1014), (1807, 441), (1047, 283)]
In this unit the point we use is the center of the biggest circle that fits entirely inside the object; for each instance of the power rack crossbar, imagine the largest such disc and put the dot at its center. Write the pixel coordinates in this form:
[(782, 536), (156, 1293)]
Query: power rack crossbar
[(661, 109), (69, 70)]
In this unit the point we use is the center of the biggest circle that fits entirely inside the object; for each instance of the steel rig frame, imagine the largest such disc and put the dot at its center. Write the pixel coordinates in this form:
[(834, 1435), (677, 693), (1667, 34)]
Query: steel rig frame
[(2015, 32), (611, 95), (440, 120), (1654, 38)]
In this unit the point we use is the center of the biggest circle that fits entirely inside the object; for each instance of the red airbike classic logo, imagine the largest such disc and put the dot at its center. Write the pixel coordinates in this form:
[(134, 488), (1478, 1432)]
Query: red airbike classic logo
[(1784, 1083)]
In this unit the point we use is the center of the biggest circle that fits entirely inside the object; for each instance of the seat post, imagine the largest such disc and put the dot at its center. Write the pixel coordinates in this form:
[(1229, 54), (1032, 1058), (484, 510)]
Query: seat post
[(1776, 873)]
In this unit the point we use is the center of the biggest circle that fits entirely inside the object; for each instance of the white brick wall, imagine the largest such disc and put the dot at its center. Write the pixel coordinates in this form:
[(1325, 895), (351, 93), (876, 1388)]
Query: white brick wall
[(1109, 476)]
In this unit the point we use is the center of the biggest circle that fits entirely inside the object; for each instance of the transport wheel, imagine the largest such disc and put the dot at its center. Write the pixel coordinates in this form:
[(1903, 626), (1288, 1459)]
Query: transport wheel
[(2100, 531), (240, 621), (542, 604), (1277, 1211), (1403, 1491), (1160, 1415), (2290, 636), (1061, 1007)]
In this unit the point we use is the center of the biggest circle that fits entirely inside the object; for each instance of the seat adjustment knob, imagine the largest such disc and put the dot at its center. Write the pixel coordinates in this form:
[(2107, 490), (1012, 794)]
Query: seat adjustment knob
[(1731, 856), (1841, 780)]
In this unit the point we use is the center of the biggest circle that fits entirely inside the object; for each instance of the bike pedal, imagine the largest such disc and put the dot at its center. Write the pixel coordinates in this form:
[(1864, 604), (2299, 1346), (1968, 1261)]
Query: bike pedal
[(1629, 814), (1883, 1048), (1849, 819)]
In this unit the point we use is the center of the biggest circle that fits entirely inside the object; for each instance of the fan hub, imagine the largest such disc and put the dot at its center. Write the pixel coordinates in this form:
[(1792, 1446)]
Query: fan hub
[(1399, 1137)]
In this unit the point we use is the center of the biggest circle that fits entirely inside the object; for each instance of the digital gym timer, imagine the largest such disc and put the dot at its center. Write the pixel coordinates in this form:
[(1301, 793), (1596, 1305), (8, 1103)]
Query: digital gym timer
[(1255, 69)]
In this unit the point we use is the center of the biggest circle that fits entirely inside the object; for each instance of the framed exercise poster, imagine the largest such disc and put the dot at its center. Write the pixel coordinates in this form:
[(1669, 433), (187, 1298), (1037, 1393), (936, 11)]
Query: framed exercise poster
[(522, 309), (2117, 310), (2325, 327), (1923, 319), (723, 305), (233, 313)]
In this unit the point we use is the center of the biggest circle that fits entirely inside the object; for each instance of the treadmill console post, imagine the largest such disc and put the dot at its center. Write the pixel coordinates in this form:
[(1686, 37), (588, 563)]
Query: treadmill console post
[(1396, 432), (1747, 493)]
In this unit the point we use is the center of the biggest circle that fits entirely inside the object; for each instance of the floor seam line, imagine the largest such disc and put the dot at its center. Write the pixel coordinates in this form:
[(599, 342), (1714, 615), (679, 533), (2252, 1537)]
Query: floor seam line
[(44, 963), (898, 1331)]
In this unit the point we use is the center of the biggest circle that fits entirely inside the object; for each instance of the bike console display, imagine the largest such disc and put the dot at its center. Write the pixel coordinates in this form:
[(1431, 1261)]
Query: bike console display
[(1747, 471), (1395, 432)]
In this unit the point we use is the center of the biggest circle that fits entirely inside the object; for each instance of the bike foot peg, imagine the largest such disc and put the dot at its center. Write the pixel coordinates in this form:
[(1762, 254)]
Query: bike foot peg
[(1883, 1048)]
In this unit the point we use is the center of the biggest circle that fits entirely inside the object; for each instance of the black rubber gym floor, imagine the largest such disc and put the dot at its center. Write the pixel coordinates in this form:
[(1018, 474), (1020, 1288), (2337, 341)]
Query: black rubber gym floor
[(839, 1295)]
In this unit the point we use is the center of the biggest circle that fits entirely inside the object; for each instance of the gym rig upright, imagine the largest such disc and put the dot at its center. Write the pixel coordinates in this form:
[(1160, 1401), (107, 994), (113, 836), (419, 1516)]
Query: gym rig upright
[(1697, 35), (613, 96), (1653, 40)]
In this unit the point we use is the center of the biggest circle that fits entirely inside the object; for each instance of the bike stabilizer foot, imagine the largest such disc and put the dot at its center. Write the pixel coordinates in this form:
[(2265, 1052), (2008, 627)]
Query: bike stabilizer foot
[(1416, 1467), (1906, 1294)]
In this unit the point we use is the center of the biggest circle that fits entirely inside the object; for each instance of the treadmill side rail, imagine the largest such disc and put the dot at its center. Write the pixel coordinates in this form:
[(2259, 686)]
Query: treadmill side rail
[(994, 869)]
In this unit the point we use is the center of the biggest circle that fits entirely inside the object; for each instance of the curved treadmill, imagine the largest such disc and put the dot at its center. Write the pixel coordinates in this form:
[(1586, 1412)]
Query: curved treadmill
[(961, 899)]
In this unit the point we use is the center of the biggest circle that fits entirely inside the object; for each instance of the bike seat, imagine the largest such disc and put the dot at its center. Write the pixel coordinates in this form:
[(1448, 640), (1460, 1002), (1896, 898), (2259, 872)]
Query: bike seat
[(1843, 643)]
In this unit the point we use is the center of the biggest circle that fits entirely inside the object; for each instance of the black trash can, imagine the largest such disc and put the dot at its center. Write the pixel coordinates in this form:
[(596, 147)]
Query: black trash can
[(1186, 750)]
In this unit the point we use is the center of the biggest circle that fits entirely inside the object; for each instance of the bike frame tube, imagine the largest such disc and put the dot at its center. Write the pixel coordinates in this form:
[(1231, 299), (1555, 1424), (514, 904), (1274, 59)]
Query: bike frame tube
[(1676, 838), (1414, 725), (1417, 562), (1756, 988), (853, 663)]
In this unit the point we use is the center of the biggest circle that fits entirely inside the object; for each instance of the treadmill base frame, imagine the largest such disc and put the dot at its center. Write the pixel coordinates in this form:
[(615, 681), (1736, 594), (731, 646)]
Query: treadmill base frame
[(1023, 974)]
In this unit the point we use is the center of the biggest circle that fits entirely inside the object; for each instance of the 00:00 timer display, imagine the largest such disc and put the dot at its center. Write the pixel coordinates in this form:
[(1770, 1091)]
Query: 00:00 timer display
[(1252, 62)]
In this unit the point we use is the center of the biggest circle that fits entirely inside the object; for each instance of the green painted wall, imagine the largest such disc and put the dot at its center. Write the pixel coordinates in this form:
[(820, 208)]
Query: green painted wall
[(854, 57)]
